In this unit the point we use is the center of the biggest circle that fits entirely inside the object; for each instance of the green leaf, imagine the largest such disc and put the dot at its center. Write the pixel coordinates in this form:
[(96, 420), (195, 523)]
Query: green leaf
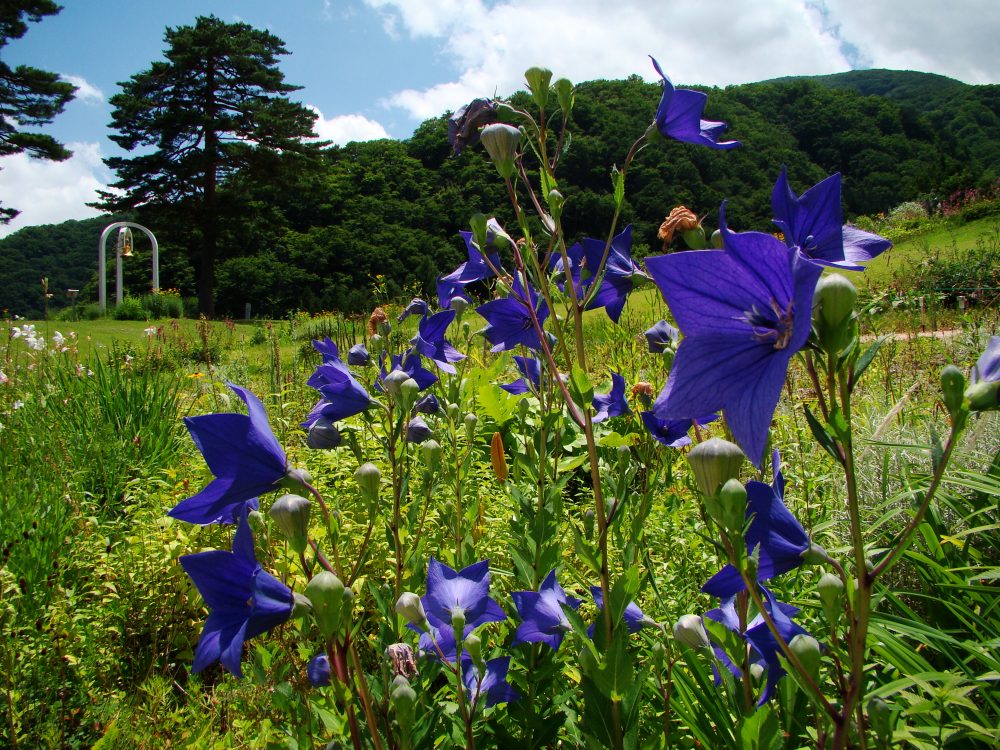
[(580, 387), (584, 550), (866, 359), (760, 730), (497, 404), (823, 437), (618, 182)]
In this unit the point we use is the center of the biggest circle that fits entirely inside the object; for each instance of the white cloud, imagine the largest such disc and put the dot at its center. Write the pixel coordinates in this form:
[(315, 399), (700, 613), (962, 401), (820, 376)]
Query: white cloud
[(85, 91), (48, 192), (490, 44), (346, 128)]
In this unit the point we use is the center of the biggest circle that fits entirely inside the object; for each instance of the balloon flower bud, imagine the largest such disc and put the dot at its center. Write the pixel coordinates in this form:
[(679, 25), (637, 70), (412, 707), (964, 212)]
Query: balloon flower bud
[(319, 671), (323, 435), (690, 631), (427, 404), (564, 93), (394, 382), (714, 462), (588, 523), (409, 392), (431, 451), (538, 84), (556, 203), (732, 506), (459, 304), (479, 232), (410, 608), (417, 431), (471, 420), (375, 342), (301, 606), (403, 699), (806, 648), (327, 594), (831, 594), (453, 413), (368, 478), (834, 299), (296, 479), (475, 648), (501, 142), (952, 388), (291, 515), (984, 396), (358, 356)]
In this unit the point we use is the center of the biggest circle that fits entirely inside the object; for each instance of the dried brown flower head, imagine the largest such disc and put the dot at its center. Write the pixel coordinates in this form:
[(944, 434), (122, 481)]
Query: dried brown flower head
[(378, 317), (681, 219)]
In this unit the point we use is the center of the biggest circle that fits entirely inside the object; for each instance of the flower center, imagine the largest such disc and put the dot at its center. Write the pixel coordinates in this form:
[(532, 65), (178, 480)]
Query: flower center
[(773, 325)]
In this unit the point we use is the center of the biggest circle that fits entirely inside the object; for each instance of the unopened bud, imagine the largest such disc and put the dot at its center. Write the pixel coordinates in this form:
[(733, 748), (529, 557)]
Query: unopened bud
[(326, 592), (714, 462), (417, 431), (296, 479), (368, 478), (394, 382), (538, 84), (431, 451), (459, 304), (690, 630), (375, 342), (556, 203), (952, 388), (831, 594), (301, 606), (458, 622), (806, 649), (291, 515), (358, 356), (409, 392), (454, 413), (501, 141), (323, 435), (478, 224), (731, 505), (411, 609), (984, 396), (716, 240), (564, 93), (588, 523), (475, 648), (834, 298), (471, 420)]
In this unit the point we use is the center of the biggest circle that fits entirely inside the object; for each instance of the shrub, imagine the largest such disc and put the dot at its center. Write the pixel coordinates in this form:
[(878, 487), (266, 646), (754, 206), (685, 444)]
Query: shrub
[(131, 308)]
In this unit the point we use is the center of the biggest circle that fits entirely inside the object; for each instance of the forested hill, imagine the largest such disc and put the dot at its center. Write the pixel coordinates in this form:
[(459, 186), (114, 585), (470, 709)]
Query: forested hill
[(314, 238)]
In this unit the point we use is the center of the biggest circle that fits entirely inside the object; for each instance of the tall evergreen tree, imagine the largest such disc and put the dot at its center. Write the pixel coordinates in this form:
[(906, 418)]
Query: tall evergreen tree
[(217, 106), (29, 97)]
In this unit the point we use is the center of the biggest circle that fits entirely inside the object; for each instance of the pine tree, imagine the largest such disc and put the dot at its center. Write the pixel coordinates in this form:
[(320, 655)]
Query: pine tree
[(29, 97), (216, 108)]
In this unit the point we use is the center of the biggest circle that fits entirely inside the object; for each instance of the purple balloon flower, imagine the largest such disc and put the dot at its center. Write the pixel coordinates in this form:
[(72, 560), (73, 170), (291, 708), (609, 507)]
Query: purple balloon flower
[(814, 224), (987, 367), (531, 370), (430, 340), (612, 403), (411, 365), (782, 541), (243, 456), (328, 348), (673, 433), (542, 616), (679, 116), (438, 642), (417, 431), (661, 336), (466, 592), (427, 404), (475, 268), (416, 307), (319, 671), (492, 683), (509, 321), (635, 619), (342, 395), (358, 356), (621, 273), (244, 600), (744, 310)]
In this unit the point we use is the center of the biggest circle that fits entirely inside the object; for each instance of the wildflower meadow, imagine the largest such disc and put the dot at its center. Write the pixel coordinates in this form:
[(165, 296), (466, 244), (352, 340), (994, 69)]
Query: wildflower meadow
[(577, 499)]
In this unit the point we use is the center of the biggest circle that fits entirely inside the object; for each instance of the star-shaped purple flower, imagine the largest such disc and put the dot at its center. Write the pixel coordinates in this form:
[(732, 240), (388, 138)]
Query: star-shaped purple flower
[(531, 371), (744, 311), (410, 364), (430, 340), (243, 456), (492, 684), (679, 116), (782, 541), (621, 273), (475, 268), (244, 600), (342, 395), (814, 224), (417, 306), (542, 616), (509, 321), (612, 403), (673, 433), (466, 592), (635, 618)]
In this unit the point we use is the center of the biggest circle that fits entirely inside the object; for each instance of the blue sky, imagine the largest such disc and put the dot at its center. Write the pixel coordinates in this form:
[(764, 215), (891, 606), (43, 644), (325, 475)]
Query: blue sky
[(377, 68)]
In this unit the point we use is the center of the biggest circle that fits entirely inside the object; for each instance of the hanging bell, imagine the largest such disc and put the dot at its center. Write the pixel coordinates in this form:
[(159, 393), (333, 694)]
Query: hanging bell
[(124, 246)]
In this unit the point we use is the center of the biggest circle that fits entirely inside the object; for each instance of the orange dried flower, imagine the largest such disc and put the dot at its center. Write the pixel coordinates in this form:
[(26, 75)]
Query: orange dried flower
[(681, 219), (378, 317)]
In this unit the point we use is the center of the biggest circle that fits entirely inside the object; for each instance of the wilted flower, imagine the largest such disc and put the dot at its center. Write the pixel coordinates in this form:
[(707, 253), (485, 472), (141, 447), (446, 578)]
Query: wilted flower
[(813, 223), (400, 656), (377, 319), (681, 219), (244, 599), (679, 116), (612, 403), (542, 616), (744, 310), (243, 455), (464, 125)]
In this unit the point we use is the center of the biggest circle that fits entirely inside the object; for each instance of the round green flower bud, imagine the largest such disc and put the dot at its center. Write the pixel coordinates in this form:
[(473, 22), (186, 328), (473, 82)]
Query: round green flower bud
[(411, 609), (475, 647), (714, 462), (478, 224), (431, 450), (459, 305), (369, 479), (453, 413), (834, 298), (952, 388), (375, 344), (458, 622), (291, 514), (716, 240), (296, 479), (831, 594), (501, 142), (806, 649), (326, 592), (731, 504), (690, 630), (984, 396), (301, 606), (409, 391), (394, 382), (556, 202), (538, 84), (403, 699), (471, 420), (564, 93)]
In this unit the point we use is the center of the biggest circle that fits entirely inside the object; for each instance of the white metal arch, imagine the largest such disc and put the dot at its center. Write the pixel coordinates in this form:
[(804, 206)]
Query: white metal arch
[(102, 288)]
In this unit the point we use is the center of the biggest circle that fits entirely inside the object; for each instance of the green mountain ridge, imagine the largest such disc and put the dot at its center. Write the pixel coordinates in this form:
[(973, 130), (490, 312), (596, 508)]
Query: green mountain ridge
[(316, 239)]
